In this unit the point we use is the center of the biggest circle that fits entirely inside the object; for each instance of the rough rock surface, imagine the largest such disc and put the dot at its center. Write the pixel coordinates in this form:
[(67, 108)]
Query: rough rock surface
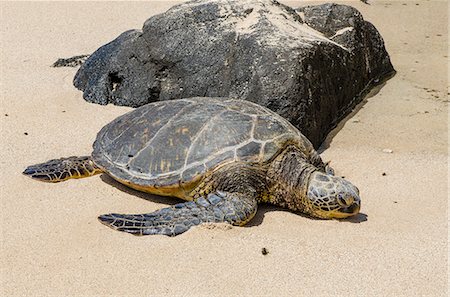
[(310, 65), (71, 62)]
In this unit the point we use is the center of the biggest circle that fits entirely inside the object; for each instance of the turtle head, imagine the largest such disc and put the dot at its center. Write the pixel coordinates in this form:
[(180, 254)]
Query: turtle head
[(332, 197)]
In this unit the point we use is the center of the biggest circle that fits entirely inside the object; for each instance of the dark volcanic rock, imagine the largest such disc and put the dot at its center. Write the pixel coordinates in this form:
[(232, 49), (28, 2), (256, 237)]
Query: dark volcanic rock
[(70, 62), (310, 66)]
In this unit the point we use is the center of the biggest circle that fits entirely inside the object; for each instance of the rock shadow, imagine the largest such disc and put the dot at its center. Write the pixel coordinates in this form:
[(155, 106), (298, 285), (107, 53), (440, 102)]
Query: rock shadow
[(371, 93)]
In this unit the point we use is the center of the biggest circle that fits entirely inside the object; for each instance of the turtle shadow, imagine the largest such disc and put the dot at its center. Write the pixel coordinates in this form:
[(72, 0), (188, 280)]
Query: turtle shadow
[(265, 208), (359, 218), (262, 210), (146, 196)]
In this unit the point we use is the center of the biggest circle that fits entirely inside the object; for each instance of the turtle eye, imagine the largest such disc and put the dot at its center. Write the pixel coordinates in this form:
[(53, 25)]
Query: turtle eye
[(341, 199)]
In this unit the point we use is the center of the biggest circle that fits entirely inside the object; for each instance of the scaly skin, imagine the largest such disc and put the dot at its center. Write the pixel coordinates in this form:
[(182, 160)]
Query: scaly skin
[(295, 184), (59, 170), (218, 207)]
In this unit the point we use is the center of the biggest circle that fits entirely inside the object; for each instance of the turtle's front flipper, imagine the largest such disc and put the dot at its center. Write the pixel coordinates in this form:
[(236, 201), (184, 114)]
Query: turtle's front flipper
[(234, 208), (58, 170)]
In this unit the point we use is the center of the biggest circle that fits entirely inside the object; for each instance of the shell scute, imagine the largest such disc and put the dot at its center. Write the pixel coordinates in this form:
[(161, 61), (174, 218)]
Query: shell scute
[(267, 127), (226, 130), (192, 172), (219, 158), (249, 152)]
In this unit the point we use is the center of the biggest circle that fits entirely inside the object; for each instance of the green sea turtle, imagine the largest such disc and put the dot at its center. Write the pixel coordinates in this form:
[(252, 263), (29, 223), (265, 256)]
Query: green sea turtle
[(223, 156)]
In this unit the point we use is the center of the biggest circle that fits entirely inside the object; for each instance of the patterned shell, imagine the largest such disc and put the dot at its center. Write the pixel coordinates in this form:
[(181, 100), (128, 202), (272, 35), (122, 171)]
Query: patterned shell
[(171, 142)]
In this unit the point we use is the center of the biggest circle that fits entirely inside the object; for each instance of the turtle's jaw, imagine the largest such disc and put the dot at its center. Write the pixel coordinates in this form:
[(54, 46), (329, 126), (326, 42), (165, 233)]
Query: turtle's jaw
[(340, 212), (347, 211), (339, 208), (351, 210)]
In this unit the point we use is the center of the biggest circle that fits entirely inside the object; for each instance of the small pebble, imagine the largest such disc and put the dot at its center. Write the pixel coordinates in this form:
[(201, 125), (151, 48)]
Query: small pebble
[(26, 133), (6, 114), (264, 251), (383, 174), (387, 151), (355, 121), (63, 111), (395, 202)]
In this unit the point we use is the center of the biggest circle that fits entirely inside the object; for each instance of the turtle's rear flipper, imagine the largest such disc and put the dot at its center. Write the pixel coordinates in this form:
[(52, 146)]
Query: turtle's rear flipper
[(58, 170), (233, 208)]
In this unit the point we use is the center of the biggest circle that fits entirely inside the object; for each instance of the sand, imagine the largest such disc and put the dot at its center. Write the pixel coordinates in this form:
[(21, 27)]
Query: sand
[(53, 245)]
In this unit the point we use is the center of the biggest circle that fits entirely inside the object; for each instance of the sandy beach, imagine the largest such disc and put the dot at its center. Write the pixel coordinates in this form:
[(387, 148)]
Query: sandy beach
[(53, 245)]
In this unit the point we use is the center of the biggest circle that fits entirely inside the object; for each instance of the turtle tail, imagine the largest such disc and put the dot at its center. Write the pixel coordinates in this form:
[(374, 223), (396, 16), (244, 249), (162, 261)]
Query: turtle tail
[(58, 170)]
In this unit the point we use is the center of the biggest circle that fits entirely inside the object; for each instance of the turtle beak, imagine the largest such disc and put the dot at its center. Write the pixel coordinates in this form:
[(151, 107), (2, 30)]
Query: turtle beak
[(352, 209)]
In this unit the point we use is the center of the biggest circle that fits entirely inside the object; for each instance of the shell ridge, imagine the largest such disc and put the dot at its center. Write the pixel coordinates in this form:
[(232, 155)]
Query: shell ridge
[(198, 135), (157, 133), (252, 131)]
